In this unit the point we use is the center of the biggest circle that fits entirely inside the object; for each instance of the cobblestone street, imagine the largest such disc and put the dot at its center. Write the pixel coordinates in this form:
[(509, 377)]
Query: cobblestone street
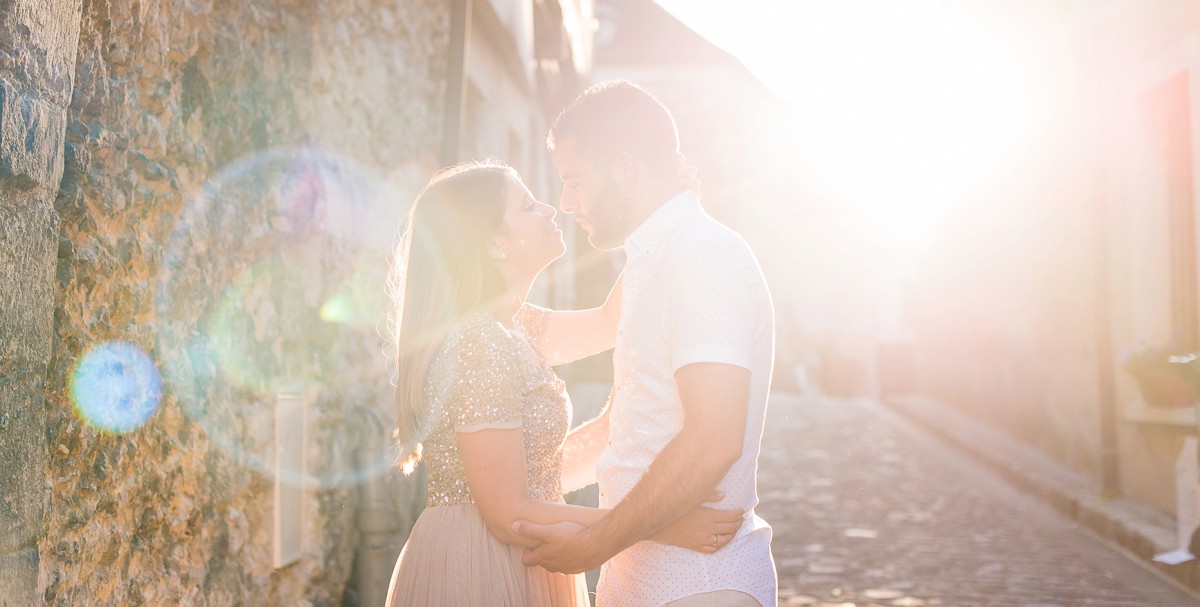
[(870, 510)]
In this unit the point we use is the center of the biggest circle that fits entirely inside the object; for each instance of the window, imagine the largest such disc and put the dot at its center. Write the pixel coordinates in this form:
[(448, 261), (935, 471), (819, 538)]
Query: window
[(1167, 108)]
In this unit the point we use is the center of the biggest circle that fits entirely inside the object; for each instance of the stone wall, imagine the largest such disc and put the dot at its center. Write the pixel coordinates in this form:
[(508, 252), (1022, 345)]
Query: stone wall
[(37, 51), (231, 177)]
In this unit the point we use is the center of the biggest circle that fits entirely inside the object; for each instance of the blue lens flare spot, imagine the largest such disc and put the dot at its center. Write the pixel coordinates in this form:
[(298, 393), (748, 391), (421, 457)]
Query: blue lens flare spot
[(116, 387)]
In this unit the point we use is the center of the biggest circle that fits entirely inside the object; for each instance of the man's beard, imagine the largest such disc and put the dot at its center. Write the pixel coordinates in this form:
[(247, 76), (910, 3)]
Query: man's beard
[(610, 218)]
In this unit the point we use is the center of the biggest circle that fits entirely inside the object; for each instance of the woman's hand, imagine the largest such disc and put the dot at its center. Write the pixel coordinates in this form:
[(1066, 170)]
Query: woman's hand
[(702, 529)]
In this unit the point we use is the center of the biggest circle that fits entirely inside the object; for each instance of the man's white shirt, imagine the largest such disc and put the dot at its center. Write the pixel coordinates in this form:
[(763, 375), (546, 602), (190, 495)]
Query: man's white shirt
[(693, 293)]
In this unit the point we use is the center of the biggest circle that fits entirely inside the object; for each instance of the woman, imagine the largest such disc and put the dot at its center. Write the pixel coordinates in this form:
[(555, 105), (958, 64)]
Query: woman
[(477, 396)]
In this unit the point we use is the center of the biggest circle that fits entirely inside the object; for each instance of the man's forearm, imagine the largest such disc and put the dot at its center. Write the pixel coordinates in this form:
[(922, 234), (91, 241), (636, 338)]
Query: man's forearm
[(681, 477)]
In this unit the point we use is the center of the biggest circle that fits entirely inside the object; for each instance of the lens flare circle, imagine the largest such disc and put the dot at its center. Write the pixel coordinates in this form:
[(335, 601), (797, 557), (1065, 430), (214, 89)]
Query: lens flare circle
[(116, 387), (273, 268)]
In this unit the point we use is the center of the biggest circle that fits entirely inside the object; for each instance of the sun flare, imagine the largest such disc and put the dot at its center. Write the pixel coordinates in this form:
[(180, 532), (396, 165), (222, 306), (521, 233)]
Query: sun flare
[(899, 109), (902, 111)]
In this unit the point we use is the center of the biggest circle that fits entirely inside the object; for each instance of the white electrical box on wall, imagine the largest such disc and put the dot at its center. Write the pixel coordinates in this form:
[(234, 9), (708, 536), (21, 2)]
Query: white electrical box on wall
[(291, 441)]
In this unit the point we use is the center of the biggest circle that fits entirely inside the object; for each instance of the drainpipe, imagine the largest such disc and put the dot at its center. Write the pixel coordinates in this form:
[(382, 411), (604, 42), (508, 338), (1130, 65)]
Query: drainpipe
[(1106, 390), (378, 523), (1111, 480), (456, 82)]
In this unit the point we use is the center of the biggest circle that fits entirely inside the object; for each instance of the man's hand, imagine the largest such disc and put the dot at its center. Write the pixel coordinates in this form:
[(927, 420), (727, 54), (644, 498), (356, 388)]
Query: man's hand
[(565, 547)]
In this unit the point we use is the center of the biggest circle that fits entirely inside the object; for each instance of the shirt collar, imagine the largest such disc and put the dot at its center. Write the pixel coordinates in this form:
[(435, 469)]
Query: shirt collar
[(661, 224)]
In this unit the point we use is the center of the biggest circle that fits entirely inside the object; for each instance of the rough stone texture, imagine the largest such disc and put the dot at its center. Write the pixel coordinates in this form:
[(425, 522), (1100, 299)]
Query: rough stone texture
[(31, 132), (17, 587), (26, 271), (37, 49), (27, 262), (224, 163), (37, 46)]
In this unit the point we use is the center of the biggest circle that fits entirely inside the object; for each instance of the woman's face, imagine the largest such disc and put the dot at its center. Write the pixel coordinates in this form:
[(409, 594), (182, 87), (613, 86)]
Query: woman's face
[(529, 237)]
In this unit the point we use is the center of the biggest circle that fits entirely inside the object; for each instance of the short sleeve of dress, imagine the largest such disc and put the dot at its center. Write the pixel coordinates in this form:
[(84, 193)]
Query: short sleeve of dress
[(533, 320), (485, 371)]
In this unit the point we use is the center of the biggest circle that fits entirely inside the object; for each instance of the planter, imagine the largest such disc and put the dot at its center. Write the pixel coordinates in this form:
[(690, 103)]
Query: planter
[(1166, 387)]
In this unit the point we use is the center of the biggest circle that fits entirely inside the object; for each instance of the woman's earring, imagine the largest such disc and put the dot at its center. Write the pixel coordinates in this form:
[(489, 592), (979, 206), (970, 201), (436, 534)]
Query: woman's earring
[(502, 256)]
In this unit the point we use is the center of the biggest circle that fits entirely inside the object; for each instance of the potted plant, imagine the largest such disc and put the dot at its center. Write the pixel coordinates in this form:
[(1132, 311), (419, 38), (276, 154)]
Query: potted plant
[(1166, 376)]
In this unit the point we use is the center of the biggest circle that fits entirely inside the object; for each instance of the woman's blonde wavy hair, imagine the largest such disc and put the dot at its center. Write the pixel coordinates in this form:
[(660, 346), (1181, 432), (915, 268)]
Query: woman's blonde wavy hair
[(441, 273)]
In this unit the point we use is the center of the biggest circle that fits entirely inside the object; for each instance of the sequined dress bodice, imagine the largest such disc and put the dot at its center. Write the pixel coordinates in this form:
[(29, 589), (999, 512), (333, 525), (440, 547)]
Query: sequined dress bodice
[(485, 376)]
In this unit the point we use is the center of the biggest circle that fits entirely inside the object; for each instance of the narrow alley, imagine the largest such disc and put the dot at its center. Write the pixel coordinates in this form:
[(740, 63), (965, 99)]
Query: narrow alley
[(869, 509)]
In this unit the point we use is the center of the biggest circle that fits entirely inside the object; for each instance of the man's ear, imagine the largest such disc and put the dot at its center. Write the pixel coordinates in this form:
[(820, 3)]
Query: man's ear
[(626, 172)]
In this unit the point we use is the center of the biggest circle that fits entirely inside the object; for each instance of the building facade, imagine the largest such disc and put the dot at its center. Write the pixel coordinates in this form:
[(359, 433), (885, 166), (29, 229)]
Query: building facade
[(197, 203), (1081, 257)]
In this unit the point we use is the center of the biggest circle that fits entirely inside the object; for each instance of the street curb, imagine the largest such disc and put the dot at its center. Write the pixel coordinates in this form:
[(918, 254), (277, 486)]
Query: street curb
[(1135, 527)]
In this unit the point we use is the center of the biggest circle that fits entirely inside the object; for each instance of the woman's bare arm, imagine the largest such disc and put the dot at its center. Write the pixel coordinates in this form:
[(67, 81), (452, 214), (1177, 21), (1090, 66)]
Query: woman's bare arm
[(582, 451), (570, 335), (496, 471)]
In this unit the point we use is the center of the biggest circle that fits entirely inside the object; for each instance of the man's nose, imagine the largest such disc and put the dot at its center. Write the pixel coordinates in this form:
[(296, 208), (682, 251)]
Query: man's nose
[(566, 202)]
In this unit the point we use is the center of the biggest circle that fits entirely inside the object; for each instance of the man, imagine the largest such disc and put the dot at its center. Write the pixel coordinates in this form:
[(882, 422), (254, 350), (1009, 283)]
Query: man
[(692, 367)]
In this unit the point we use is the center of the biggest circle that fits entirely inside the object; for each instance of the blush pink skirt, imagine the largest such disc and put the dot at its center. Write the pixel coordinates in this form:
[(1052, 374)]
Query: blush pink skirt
[(450, 559)]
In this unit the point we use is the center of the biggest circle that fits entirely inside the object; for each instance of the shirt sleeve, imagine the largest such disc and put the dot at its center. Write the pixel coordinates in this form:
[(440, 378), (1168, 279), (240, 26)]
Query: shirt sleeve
[(486, 390), (712, 305)]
